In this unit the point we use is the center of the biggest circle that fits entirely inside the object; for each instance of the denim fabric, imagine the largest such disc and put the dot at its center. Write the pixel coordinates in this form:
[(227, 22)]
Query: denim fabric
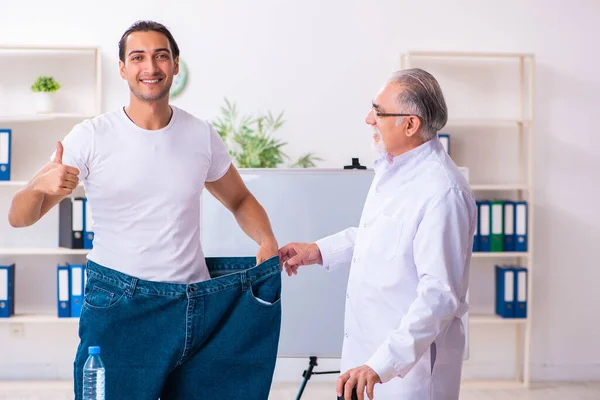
[(215, 339)]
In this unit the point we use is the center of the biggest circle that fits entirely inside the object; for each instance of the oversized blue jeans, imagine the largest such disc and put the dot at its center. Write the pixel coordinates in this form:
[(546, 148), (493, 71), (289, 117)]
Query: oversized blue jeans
[(215, 339)]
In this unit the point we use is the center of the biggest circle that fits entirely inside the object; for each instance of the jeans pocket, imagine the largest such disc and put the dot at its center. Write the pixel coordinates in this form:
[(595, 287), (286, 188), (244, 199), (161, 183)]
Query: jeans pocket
[(102, 295), (266, 291)]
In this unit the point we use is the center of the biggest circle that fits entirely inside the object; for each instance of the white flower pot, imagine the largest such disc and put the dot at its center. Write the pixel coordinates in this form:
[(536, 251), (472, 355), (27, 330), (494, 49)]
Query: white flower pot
[(43, 102)]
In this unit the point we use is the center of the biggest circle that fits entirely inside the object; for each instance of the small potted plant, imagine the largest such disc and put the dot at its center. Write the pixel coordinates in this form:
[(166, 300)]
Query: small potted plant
[(43, 91)]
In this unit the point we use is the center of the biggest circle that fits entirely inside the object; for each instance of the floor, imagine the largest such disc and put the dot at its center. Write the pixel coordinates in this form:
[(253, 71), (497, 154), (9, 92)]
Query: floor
[(326, 391)]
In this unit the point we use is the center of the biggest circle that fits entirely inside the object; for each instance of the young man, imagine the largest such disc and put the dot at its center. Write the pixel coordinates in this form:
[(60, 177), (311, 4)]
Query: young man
[(409, 257), (165, 328)]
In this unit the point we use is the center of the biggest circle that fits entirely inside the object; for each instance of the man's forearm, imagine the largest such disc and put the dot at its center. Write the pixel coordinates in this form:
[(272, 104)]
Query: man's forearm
[(253, 220), (26, 207)]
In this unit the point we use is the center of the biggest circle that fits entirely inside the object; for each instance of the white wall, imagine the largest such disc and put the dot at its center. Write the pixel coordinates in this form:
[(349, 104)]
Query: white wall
[(322, 62)]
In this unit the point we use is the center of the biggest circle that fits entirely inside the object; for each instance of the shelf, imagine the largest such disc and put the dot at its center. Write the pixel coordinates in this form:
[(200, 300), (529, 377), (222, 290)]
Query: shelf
[(465, 54), (499, 187), (492, 384), (479, 319), (13, 183), (27, 47), (498, 254), (485, 122), (21, 183), (484, 319), (52, 251), (37, 319), (42, 117)]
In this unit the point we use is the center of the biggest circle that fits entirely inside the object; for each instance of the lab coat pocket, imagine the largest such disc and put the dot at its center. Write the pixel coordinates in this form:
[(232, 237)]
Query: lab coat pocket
[(384, 237)]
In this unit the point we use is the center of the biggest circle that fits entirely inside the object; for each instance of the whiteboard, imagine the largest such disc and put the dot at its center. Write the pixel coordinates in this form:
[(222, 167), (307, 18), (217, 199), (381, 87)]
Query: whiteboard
[(303, 205)]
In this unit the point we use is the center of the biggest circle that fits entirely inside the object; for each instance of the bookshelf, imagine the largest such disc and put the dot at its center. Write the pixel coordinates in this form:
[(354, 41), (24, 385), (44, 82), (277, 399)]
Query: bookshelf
[(35, 250), (476, 116)]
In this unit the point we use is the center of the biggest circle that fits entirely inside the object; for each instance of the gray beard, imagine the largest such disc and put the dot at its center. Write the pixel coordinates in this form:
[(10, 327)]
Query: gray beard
[(379, 146)]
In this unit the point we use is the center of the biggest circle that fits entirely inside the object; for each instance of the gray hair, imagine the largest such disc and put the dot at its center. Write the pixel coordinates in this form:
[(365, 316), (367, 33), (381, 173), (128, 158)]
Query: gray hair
[(422, 96)]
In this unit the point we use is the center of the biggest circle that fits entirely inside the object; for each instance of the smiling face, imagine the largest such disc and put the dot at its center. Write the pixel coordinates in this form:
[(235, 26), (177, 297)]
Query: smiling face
[(394, 129), (148, 65)]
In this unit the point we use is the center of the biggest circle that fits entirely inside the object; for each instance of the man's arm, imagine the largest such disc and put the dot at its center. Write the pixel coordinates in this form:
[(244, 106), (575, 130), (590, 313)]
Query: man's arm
[(232, 192), (441, 247), (330, 251), (47, 188), (337, 249), (29, 205)]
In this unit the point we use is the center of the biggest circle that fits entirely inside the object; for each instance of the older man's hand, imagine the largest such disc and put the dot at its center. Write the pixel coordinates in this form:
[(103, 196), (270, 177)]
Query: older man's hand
[(361, 378)]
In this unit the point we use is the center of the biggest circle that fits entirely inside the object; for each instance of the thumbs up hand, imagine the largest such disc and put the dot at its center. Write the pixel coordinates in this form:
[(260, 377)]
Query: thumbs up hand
[(59, 153), (55, 178)]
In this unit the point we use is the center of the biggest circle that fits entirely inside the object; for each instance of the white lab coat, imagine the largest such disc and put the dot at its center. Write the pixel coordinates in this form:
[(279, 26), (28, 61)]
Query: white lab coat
[(409, 275)]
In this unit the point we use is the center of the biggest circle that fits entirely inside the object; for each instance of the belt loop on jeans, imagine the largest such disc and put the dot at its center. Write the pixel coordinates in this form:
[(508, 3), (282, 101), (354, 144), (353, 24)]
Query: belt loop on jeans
[(131, 290), (244, 278)]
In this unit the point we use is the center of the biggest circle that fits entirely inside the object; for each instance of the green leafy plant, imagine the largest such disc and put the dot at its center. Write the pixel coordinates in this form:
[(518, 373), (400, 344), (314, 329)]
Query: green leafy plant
[(45, 84), (250, 140), (307, 161)]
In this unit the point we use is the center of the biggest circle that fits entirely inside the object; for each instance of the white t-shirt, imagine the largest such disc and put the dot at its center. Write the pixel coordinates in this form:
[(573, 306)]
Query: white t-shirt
[(144, 187)]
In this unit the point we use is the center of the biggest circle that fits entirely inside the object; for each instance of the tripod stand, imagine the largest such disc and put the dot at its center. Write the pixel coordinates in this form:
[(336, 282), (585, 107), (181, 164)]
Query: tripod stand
[(309, 372)]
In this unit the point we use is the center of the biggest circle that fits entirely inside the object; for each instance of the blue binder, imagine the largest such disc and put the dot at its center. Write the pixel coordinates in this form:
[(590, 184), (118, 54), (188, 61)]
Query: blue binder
[(63, 292), (77, 285), (521, 226), (521, 292), (445, 140), (505, 291), (88, 234), (509, 226), (5, 150), (485, 220), (476, 244), (7, 290)]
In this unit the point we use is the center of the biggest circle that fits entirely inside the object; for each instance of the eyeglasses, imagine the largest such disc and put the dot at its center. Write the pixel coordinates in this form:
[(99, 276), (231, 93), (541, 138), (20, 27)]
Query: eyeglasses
[(378, 113)]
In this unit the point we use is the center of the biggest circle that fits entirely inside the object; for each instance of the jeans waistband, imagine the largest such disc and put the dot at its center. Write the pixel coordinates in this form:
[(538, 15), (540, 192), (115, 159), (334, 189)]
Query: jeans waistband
[(226, 272)]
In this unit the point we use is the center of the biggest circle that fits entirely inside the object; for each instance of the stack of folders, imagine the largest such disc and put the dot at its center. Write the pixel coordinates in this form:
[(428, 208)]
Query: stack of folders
[(511, 291), (7, 291), (5, 141), (71, 280), (501, 226), (75, 224)]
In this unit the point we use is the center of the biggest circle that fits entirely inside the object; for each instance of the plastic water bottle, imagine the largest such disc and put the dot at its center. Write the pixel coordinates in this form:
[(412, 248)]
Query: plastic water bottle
[(93, 375)]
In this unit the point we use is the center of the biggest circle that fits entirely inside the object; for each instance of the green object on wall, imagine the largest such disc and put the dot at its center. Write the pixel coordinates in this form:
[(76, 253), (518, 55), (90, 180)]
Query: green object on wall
[(179, 80)]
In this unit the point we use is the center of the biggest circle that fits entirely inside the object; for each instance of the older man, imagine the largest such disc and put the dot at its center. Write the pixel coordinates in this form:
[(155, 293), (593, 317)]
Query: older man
[(409, 256)]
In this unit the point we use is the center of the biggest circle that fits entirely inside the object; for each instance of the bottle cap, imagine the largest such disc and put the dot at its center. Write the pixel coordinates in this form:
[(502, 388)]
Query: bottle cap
[(94, 350)]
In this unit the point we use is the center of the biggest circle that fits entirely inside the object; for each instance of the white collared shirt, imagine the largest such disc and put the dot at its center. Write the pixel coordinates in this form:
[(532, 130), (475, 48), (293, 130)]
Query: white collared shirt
[(409, 273)]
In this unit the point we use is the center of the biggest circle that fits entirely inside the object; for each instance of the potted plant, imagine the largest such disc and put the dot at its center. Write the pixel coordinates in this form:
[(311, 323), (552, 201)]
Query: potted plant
[(43, 92), (250, 142)]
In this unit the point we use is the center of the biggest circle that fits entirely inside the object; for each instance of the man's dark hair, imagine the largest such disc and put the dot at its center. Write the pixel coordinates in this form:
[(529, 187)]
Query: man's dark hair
[(146, 26)]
